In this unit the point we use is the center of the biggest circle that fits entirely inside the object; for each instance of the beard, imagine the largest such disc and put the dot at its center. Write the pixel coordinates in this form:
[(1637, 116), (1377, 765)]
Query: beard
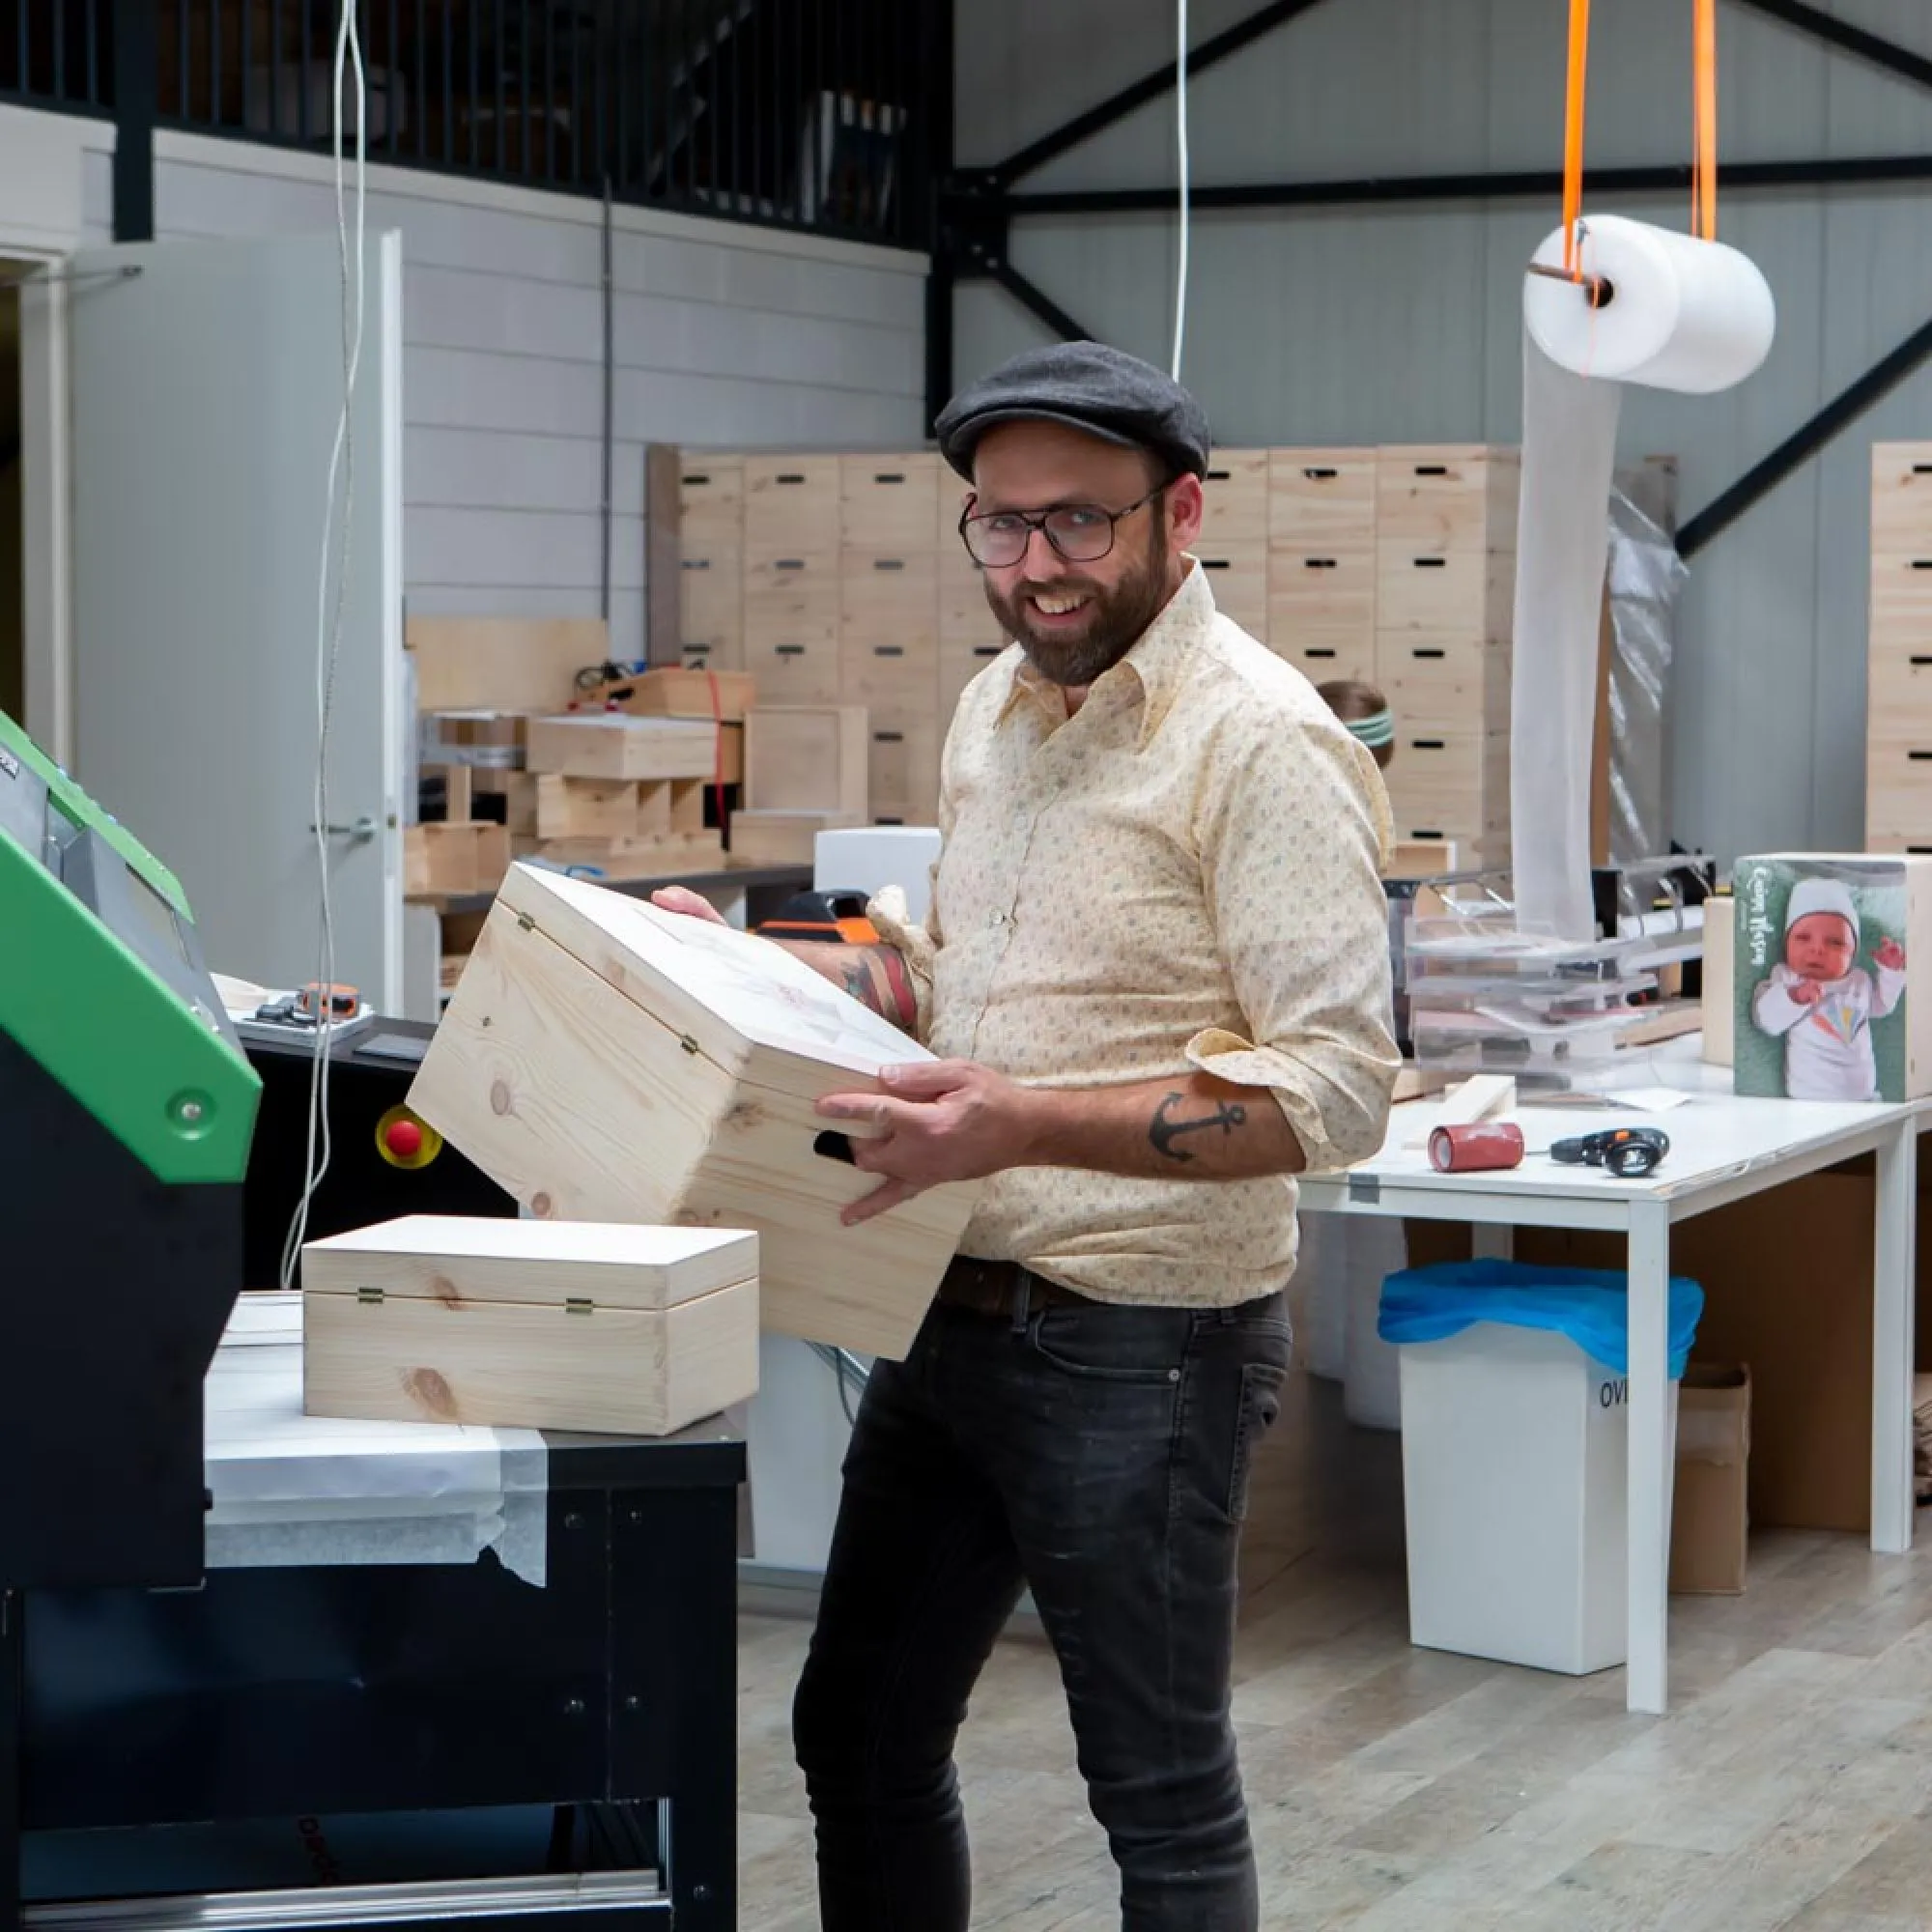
[(1116, 616)]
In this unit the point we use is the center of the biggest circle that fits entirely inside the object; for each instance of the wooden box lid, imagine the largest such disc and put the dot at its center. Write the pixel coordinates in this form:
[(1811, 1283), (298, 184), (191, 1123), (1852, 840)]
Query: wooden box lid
[(454, 1259)]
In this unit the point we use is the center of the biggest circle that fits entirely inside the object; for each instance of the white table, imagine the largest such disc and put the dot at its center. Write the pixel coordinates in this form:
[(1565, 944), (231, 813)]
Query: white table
[(1723, 1148)]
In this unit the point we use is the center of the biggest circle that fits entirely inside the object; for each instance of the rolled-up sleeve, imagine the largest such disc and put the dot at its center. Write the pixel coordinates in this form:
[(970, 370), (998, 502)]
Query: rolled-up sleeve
[(1294, 831)]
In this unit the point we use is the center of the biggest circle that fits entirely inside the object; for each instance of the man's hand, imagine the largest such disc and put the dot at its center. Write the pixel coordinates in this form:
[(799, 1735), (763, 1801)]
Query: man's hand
[(939, 1120), (693, 905)]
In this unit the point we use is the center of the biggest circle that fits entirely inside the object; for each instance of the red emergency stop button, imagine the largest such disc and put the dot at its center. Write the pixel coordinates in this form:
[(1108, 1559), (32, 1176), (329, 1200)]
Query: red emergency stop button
[(406, 1140)]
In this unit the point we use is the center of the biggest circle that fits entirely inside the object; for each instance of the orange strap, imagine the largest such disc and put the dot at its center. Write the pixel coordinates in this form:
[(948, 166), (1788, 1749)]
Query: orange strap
[(1704, 121), (1573, 133)]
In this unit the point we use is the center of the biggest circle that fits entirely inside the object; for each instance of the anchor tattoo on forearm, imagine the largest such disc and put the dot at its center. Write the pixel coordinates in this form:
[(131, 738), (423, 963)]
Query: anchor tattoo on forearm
[(1166, 1130)]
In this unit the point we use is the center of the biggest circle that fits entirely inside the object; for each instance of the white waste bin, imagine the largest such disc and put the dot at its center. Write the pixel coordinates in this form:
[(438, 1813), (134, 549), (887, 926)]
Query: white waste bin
[(1513, 1455)]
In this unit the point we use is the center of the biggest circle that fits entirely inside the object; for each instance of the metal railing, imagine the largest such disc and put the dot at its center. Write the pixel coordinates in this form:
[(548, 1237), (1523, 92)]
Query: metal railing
[(811, 114), (57, 53)]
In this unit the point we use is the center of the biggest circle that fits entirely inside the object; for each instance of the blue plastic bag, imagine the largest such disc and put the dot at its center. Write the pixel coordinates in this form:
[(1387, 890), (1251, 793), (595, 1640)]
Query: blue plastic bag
[(1588, 1305)]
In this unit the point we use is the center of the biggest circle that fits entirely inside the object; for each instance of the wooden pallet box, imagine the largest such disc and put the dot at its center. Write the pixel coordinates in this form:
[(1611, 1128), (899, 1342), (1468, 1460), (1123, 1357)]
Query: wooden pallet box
[(529, 1325), (615, 745), (603, 1061)]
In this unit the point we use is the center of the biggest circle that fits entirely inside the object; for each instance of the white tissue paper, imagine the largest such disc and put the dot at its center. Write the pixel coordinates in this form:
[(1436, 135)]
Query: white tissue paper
[(1685, 315)]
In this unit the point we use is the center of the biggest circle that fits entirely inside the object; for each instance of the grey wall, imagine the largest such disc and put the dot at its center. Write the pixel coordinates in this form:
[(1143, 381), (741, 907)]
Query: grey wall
[(1404, 324), (723, 336)]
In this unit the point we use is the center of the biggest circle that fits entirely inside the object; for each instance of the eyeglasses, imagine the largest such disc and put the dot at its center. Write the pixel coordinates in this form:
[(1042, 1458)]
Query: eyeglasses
[(1081, 532)]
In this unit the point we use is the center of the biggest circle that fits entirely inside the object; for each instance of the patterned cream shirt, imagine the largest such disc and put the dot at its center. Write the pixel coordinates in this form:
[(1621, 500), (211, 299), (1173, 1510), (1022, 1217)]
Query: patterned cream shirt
[(1185, 873)]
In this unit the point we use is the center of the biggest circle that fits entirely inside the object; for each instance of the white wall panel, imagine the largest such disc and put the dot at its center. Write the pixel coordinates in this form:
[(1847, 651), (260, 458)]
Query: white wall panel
[(1383, 324), (722, 335)]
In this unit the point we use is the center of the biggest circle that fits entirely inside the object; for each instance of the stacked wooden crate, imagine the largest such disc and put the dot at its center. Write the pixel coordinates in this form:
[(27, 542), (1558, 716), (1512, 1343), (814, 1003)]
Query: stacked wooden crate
[(840, 580), (1898, 744), (624, 793), (1445, 587), (837, 580)]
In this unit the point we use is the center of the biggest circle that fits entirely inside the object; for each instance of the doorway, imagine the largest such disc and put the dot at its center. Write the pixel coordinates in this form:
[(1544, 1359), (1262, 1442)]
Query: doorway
[(12, 545)]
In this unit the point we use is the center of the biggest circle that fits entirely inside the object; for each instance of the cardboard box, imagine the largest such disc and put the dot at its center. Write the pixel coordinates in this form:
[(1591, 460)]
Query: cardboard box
[(1710, 1517), (603, 1061), (1822, 950), (529, 1325)]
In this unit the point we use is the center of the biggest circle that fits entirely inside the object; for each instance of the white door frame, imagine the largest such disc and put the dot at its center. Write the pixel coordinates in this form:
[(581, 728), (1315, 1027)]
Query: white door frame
[(44, 450)]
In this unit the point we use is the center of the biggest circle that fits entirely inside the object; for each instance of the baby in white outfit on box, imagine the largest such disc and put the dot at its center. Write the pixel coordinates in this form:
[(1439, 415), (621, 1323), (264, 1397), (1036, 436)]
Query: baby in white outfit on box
[(1822, 1001)]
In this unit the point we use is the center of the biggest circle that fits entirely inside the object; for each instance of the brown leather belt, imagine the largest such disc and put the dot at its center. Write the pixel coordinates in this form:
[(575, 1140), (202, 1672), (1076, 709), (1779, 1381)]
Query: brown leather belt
[(996, 1288)]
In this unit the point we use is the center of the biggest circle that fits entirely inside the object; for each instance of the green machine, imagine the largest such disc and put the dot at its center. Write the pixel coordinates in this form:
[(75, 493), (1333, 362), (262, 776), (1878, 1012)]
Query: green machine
[(126, 1112)]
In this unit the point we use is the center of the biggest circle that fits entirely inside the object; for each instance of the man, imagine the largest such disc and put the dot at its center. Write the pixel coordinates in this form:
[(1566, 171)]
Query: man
[(1156, 972)]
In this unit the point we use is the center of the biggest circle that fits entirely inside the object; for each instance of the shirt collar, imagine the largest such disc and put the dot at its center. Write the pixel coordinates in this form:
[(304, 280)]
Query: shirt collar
[(1156, 663)]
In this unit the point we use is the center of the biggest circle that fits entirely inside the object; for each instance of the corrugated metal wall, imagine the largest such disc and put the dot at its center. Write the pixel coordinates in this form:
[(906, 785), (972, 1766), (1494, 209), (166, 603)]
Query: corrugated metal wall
[(1404, 324)]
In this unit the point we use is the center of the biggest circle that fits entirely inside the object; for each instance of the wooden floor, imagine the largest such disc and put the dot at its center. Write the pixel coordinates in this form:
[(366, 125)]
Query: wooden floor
[(1397, 1790)]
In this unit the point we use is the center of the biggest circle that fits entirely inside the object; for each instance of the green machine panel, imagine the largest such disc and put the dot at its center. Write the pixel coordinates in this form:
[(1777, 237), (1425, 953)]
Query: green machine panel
[(103, 981), (127, 1113)]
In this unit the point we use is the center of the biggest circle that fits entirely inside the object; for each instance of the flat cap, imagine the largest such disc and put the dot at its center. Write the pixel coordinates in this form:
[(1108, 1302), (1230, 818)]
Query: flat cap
[(1088, 386)]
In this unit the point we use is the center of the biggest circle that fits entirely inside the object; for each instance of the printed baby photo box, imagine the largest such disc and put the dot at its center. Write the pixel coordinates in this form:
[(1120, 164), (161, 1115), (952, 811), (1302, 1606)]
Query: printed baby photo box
[(603, 1061), (1825, 946)]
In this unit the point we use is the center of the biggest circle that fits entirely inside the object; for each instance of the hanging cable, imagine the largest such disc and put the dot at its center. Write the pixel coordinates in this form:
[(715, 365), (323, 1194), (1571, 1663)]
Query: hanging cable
[(329, 612), (1180, 142)]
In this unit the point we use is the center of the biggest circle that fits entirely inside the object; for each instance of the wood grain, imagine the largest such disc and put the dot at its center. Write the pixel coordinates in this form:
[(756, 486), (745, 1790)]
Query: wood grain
[(515, 1365), (463, 1258), (507, 664)]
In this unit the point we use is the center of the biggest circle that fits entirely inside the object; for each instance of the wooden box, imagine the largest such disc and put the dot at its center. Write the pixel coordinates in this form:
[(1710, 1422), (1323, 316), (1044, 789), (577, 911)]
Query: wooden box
[(1324, 656), (613, 745), (1454, 680), (792, 501), (1435, 502), (1322, 497), (685, 694), (454, 857), (805, 759), (783, 838), (711, 608), (960, 662), (1901, 508), (1238, 574), (800, 668), (1320, 588), (888, 501), (1469, 591), (529, 1325), (903, 786), (603, 1061), (1236, 496), (711, 499)]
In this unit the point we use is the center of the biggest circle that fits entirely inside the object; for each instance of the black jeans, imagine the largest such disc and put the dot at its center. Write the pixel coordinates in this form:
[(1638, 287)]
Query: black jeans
[(1099, 1457)]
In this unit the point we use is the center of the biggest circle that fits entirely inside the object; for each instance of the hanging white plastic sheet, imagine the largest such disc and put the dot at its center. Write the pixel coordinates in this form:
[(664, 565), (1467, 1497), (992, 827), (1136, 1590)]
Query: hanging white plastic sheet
[(1675, 313)]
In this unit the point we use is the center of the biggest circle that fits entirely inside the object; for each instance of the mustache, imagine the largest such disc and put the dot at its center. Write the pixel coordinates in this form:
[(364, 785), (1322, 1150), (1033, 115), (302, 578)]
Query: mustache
[(1061, 586)]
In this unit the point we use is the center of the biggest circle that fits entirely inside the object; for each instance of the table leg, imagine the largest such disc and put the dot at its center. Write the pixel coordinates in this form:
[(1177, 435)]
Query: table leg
[(1492, 1241), (1893, 1330), (1652, 1456)]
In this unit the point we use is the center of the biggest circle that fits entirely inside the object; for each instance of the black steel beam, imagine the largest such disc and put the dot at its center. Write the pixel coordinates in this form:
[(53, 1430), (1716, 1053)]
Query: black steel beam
[(936, 57), (979, 261), (1149, 87), (137, 42), (1668, 177), (1873, 47), (1804, 443)]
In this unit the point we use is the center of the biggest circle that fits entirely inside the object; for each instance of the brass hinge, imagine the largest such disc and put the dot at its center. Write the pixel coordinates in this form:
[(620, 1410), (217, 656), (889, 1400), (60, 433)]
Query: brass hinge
[(578, 1305), (369, 1296)]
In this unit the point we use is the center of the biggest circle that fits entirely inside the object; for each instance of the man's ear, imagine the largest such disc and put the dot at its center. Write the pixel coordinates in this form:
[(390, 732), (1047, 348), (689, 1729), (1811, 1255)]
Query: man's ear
[(1186, 506)]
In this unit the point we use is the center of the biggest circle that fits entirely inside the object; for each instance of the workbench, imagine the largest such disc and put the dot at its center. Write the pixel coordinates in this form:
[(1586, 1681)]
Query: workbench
[(399, 1624), (1723, 1149)]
